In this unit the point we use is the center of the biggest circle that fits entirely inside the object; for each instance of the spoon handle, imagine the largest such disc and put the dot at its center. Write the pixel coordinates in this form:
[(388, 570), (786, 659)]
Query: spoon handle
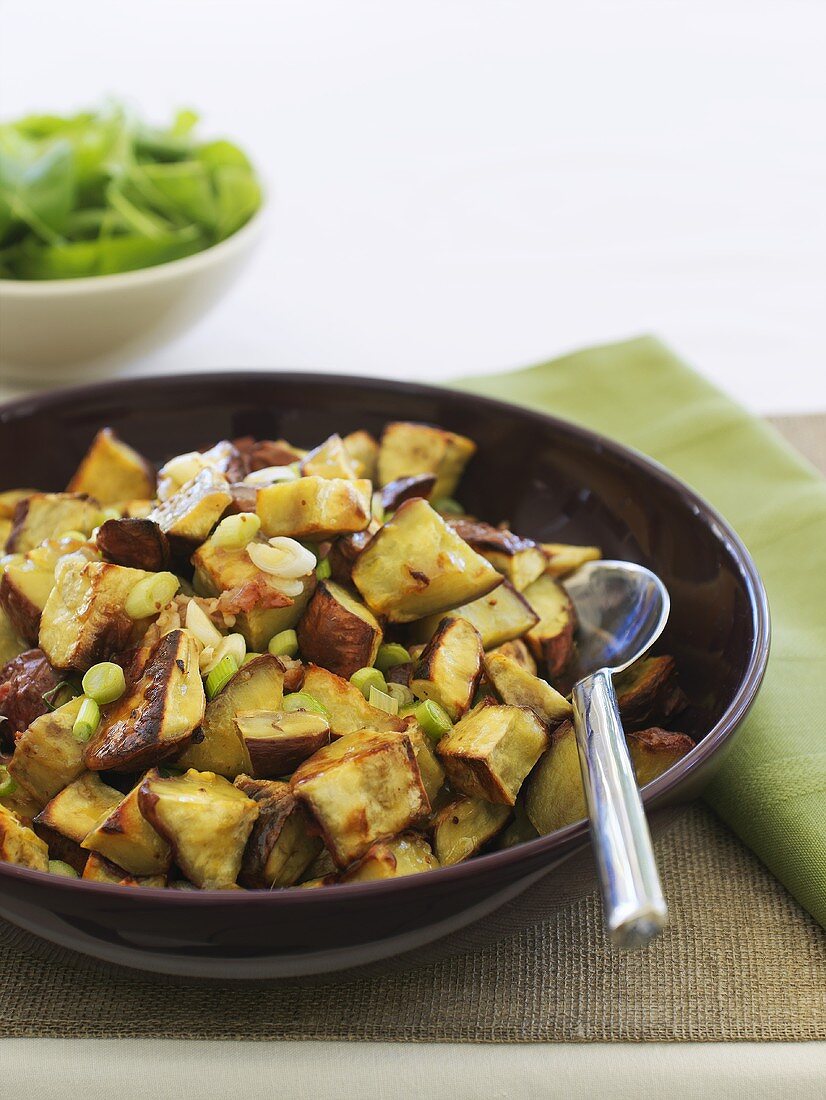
[(632, 897)]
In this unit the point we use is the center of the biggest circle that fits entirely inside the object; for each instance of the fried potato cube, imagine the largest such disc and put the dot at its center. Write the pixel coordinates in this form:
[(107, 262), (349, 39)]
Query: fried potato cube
[(111, 471), (516, 686), (205, 819), (408, 854), (407, 449), (450, 666), (518, 651), (126, 838), (158, 715), (98, 869), (277, 742), (260, 609), (44, 516), (489, 753), (331, 459), (415, 566), (136, 543), (430, 769), (348, 710), (338, 631), (11, 644), (76, 810), (361, 788), (563, 558), (280, 847), (464, 826), (552, 639), (649, 690), (501, 616), (520, 560), (519, 831), (654, 750), (27, 583), (363, 450), (189, 515), (314, 507), (19, 844), (47, 757), (258, 686), (22, 804)]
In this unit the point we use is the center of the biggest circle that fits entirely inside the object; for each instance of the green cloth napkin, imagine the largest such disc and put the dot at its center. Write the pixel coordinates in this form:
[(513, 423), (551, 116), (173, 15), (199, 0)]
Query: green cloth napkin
[(772, 787)]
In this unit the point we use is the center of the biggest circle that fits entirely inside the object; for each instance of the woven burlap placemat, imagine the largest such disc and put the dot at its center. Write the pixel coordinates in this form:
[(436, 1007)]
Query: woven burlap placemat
[(741, 961)]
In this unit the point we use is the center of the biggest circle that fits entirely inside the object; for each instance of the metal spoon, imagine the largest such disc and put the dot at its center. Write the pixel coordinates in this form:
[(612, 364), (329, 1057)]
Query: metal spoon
[(622, 609)]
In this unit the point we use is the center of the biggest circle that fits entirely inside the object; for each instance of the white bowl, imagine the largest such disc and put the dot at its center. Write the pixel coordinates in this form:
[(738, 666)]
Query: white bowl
[(74, 327)]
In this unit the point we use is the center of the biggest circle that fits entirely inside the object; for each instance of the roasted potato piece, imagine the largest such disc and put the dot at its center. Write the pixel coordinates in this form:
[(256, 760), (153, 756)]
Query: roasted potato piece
[(111, 471), (136, 543), (261, 610), (85, 620), (361, 788), (79, 807), (501, 616), (98, 869), (189, 515), (258, 686), (22, 804), (344, 551), (563, 559), (331, 459), (407, 449), (519, 831), (518, 651), (489, 753), (408, 854), (29, 687), (464, 826), (158, 715), (406, 488), (552, 639), (11, 644), (19, 844), (450, 666), (261, 453), (28, 581), (280, 847), (205, 819), (514, 685), (314, 507), (520, 560), (44, 516), (10, 498), (649, 690), (415, 565), (363, 450), (277, 742), (126, 838), (338, 631), (431, 770), (653, 751), (47, 757), (348, 710)]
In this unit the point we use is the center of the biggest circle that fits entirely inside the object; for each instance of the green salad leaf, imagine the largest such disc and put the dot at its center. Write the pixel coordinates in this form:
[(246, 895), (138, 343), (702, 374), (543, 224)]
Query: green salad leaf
[(102, 192)]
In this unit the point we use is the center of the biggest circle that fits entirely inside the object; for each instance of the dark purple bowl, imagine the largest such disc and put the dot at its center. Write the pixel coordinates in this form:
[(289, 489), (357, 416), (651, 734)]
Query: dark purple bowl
[(554, 481)]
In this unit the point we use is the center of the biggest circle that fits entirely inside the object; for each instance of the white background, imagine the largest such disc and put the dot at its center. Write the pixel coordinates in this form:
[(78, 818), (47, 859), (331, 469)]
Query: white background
[(459, 187)]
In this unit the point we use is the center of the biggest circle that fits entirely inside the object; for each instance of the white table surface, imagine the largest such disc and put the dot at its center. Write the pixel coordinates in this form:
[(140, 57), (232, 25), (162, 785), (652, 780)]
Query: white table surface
[(461, 186)]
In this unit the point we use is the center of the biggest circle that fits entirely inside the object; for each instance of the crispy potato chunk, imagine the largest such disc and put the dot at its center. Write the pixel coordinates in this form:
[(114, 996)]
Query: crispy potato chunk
[(85, 620), (552, 639), (331, 459), (98, 869), (361, 788), (406, 488), (43, 516), (431, 770), (278, 742), (10, 498), (280, 847), (653, 751), (136, 543), (314, 507), (363, 450), (519, 831), (19, 844), (348, 709), (649, 690), (126, 838), (47, 756), (563, 558), (76, 810), (520, 560), (489, 753), (158, 715), (450, 666), (258, 686), (514, 685), (111, 471), (501, 616), (338, 631), (11, 644), (464, 826), (189, 515), (28, 581), (415, 566), (408, 854), (518, 651), (407, 449), (205, 819)]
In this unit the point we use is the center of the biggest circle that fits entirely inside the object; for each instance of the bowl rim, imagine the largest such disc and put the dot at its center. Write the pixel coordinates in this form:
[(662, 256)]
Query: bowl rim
[(556, 844), (156, 273)]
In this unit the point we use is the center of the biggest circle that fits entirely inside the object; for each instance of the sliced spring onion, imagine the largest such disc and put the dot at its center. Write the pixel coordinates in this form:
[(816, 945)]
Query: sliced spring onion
[(7, 784), (233, 646), (302, 700), (390, 655), (365, 678), (433, 719), (87, 721), (381, 700), (58, 867), (402, 694), (284, 644), (377, 508), (447, 506), (104, 682), (221, 675), (323, 570), (236, 532), (150, 595), (249, 657)]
